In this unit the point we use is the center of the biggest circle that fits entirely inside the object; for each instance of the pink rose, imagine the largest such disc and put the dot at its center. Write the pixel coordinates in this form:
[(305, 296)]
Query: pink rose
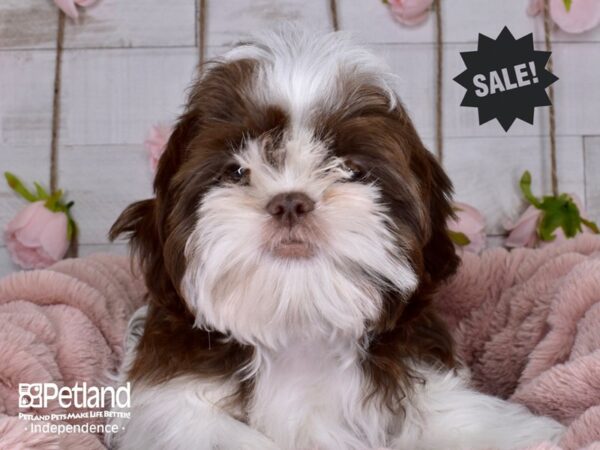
[(535, 7), (524, 233), (37, 237), (583, 15), (69, 7), (410, 12), (156, 143), (470, 222)]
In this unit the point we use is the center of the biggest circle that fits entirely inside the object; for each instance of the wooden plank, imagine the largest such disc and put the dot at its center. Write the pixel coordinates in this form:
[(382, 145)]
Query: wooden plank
[(232, 20), (463, 20), (27, 24), (25, 118), (414, 67), (133, 23), (486, 172), (578, 93), (592, 176), (576, 98), (143, 23), (102, 181), (115, 96), (26, 84)]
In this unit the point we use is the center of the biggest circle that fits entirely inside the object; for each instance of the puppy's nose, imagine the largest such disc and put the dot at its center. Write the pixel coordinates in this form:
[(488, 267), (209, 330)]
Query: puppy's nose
[(290, 207)]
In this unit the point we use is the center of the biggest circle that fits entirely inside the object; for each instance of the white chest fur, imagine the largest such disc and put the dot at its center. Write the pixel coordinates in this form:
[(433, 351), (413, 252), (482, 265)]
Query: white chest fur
[(311, 394)]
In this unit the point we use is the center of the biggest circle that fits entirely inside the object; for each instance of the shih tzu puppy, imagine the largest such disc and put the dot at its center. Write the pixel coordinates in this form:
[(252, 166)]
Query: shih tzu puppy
[(290, 254)]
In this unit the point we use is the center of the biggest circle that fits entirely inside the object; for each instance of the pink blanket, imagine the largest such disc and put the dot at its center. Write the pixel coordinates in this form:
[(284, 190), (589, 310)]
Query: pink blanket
[(526, 322), (61, 325)]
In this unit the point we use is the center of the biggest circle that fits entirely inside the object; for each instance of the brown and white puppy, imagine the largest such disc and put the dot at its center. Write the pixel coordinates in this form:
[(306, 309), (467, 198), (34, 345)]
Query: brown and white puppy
[(297, 235)]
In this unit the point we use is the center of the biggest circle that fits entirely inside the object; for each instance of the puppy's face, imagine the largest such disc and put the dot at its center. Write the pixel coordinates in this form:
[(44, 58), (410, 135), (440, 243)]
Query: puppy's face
[(295, 197)]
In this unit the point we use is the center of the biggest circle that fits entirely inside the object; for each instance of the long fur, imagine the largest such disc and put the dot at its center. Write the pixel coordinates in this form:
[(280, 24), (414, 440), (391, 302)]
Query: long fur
[(335, 349)]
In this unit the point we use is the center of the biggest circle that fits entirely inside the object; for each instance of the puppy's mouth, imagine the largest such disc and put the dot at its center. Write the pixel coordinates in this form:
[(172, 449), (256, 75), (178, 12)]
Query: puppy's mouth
[(298, 241), (293, 248)]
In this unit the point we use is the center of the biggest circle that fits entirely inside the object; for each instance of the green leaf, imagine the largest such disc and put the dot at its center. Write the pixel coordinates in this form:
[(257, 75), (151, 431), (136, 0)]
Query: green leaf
[(548, 224), (558, 212), (525, 184), (53, 202), (568, 4), (16, 185), (591, 225), (571, 223), (459, 238), (40, 191), (72, 229)]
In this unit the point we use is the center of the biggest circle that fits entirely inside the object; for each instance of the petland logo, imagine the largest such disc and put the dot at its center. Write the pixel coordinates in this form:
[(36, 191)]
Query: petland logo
[(37, 395)]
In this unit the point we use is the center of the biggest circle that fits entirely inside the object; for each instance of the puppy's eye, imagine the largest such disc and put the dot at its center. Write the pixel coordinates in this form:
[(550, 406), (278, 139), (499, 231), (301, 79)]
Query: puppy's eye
[(355, 170), (236, 174)]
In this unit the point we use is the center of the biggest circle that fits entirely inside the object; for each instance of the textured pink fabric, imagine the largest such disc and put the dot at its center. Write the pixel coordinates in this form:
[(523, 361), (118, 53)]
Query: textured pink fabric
[(527, 323), (64, 325)]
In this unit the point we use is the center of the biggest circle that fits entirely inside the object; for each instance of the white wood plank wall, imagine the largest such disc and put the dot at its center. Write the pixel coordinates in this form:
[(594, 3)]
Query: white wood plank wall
[(127, 64)]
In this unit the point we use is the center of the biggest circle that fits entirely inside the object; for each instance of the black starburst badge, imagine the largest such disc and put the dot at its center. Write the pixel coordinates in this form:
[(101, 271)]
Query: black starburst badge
[(505, 78)]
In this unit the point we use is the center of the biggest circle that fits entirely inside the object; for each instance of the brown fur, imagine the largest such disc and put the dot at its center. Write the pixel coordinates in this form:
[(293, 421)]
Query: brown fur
[(414, 188), (417, 193), (217, 117)]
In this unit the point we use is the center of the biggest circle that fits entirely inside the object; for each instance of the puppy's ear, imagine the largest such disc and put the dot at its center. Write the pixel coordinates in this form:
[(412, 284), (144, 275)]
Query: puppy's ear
[(138, 223), (441, 260), (132, 219)]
